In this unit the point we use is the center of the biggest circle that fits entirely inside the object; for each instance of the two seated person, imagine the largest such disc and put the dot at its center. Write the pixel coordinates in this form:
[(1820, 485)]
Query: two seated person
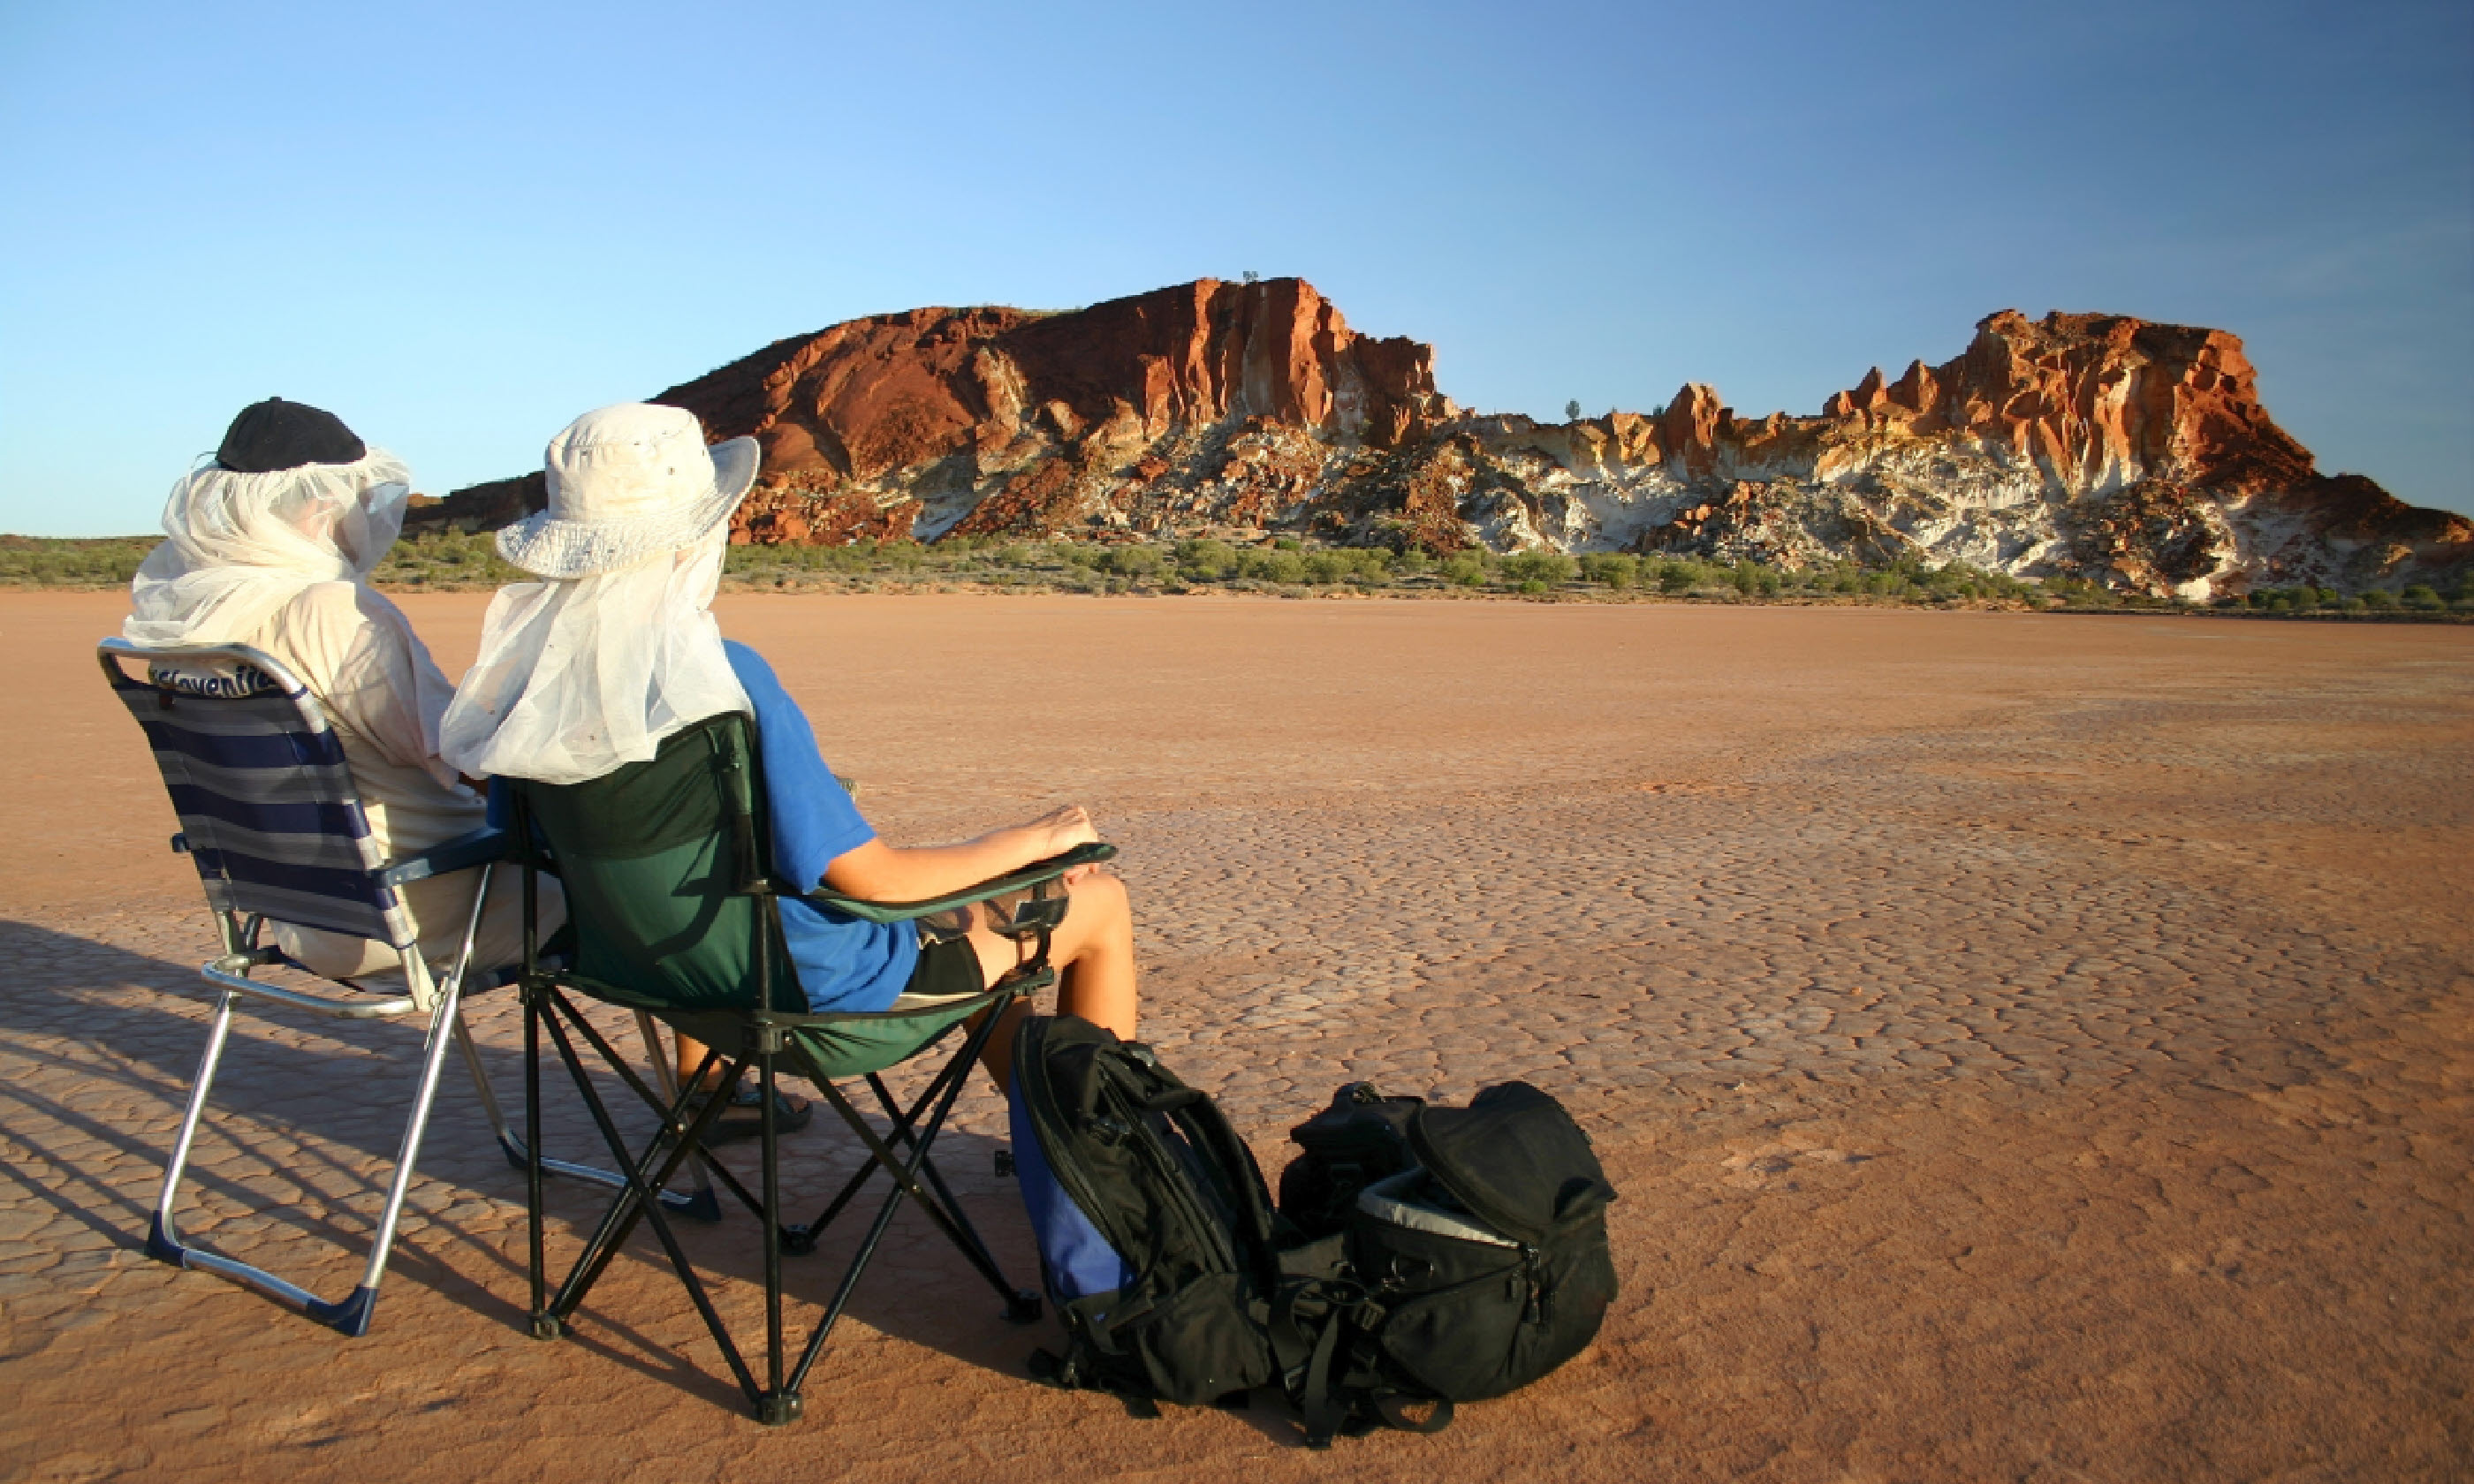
[(580, 673)]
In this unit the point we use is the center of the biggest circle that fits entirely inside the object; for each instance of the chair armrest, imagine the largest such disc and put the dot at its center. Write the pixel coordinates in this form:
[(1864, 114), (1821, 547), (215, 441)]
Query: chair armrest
[(478, 848), (1032, 875)]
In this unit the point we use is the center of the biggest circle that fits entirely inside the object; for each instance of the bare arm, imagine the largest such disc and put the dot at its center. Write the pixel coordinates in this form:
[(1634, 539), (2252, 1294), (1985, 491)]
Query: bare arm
[(878, 872)]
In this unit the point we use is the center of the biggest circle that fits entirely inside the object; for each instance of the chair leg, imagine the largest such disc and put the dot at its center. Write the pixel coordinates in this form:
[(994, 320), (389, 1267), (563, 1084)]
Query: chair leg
[(352, 1316), (544, 1324), (162, 1237), (703, 1205), (699, 1204), (776, 1407), (637, 1200), (905, 1183), (1022, 1305)]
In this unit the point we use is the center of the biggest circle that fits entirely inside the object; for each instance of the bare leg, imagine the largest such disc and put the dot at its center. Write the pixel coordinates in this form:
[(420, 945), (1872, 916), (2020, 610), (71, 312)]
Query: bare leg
[(691, 1057), (1093, 951)]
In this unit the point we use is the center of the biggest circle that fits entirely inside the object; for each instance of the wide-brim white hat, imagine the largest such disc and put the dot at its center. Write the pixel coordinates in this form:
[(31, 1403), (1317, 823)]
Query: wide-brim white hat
[(628, 483)]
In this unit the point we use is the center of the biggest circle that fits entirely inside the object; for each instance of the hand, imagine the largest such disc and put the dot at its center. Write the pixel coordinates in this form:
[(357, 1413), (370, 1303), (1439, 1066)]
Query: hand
[(1063, 830)]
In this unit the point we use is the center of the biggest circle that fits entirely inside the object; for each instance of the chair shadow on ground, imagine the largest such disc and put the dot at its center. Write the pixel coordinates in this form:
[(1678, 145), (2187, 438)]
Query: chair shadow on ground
[(296, 1146)]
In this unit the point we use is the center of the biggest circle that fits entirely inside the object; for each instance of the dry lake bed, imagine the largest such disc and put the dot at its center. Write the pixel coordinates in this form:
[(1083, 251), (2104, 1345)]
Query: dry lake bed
[(2030, 1047)]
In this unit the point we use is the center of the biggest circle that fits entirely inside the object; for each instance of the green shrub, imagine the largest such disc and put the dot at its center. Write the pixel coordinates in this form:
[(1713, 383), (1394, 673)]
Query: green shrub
[(1276, 565), (1466, 568), (45, 561), (1532, 587), (1538, 566), (1412, 561), (2378, 600), (1753, 580), (1369, 563), (1014, 555), (1205, 559), (1609, 568), (1286, 543), (1073, 554), (2422, 598), (1135, 560), (1328, 566), (1681, 576)]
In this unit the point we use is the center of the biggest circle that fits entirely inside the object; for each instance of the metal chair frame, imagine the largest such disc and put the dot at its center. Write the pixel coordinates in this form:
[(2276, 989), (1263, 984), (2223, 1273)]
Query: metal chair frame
[(229, 973), (903, 1152)]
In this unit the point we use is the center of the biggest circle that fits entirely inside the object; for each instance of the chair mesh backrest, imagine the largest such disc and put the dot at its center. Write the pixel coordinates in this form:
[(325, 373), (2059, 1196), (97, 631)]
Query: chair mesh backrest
[(259, 781), (657, 859)]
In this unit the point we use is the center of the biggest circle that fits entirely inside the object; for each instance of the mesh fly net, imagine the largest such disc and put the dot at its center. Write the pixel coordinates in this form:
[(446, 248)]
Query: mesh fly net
[(243, 545), (577, 677)]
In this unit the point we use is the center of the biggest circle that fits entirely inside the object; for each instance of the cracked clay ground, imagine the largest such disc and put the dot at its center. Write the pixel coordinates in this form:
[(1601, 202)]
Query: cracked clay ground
[(2030, 1047)]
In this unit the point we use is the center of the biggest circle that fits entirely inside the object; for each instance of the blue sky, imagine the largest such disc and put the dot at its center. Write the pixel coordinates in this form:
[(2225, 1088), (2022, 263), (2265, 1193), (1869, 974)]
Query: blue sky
[(459, 226)]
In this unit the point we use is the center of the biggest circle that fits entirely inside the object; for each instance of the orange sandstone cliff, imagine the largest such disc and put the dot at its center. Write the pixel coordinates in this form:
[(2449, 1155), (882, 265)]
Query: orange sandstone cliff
[(2093, 446)]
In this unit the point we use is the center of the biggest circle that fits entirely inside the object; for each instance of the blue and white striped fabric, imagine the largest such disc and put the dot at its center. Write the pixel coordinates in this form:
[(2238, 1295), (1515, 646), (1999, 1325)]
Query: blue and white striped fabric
[(258, 779)]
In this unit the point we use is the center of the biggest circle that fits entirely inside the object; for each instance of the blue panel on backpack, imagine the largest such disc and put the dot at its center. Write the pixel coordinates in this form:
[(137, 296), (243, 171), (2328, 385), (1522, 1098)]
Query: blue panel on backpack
[(1077, 1260)]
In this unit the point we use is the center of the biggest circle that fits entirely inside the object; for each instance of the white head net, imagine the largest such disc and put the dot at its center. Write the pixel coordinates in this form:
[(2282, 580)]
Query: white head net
[(577, 677), (243, 545)]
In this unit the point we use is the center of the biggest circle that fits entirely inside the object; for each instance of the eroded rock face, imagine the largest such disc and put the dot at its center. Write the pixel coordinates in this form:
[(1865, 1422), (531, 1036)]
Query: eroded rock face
[(2093, 446), (2090, 446)]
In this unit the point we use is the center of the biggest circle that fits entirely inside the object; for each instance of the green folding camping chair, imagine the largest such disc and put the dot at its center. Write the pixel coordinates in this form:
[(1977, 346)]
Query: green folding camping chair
[(667, 868)]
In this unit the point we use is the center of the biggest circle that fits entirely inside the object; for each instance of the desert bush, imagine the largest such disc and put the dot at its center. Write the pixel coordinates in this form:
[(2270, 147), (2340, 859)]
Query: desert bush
[(460, 559), (1286, 543), (1206, 560), (1135, 560), (1275, 566), (1412, 561), (1683, 576), (1609, 568), (1466, 568), (1540, 566), (2421, 598), (1013, 554), (1753, 580), (2379, 601), (1326, 566), (44, 561)]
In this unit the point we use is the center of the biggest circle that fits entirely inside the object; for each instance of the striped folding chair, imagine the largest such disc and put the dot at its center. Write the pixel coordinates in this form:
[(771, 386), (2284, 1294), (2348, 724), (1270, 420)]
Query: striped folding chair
[(271, 816)]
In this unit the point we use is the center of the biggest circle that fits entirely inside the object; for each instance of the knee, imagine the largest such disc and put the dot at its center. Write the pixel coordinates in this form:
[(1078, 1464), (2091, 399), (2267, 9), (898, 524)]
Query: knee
[(1103, 897)]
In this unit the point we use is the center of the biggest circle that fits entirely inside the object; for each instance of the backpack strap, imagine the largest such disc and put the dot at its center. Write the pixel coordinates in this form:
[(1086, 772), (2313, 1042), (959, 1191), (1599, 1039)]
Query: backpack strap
[(1209, 1129), (1310, 1321)]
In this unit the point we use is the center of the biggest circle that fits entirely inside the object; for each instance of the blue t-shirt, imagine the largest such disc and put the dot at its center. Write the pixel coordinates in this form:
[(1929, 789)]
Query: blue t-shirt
[(845, 963)]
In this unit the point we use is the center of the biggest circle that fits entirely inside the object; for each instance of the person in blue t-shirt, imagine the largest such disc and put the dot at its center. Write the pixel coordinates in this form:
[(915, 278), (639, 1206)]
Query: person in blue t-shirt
[(848, 964), (588, 670)]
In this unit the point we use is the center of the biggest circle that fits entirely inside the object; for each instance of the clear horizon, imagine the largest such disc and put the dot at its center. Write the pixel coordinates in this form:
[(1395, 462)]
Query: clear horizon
[(459, 229)]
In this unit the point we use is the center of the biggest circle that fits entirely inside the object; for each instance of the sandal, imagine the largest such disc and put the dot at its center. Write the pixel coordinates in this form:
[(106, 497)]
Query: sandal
[(745, 1116)]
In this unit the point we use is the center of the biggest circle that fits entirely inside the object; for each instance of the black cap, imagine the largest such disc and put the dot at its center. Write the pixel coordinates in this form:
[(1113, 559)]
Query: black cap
[(279, 435)]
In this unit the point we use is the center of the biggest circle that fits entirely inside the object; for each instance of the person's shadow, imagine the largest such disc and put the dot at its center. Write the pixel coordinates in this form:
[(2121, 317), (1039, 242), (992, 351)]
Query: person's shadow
[(291, 1161)]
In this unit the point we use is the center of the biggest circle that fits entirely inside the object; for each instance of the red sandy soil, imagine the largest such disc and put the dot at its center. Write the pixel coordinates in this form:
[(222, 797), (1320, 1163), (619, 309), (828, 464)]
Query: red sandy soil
[(2030, 1047)]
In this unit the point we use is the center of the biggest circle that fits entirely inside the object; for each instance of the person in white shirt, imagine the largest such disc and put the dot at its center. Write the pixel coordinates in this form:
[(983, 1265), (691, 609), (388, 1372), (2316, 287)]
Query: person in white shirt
[(272, 545)]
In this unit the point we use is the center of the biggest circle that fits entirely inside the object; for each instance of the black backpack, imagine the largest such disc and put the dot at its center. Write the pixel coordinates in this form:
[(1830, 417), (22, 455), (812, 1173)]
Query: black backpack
[(1476, 1255), (1362, 1138), (1158, 1242)]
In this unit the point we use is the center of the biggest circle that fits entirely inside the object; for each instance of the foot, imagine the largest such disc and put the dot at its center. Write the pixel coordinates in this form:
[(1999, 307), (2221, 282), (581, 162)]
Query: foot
[(743, 1117)]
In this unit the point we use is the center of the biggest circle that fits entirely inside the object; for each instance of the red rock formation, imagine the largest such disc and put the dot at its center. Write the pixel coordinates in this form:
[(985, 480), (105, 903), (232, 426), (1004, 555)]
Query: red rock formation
[(1000, 388), (2097, 400), (2092, 444)]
